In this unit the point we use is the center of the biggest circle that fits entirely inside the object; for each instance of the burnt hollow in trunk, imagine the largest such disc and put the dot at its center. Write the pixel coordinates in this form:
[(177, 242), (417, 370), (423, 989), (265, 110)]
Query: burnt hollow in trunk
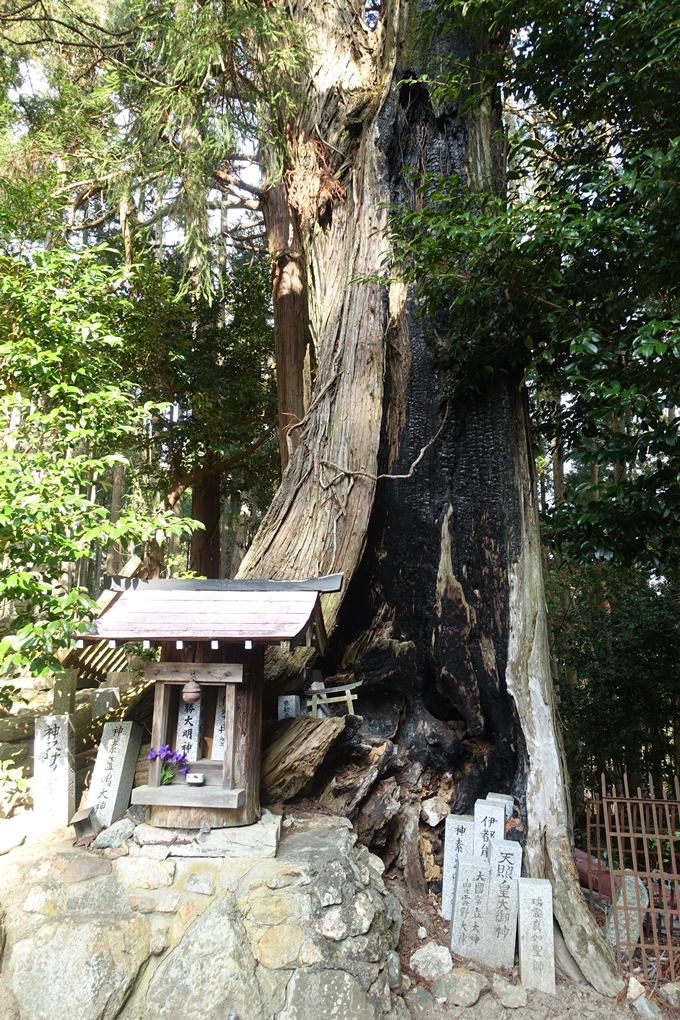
[(429, 602), (437, 638), (443, 614)]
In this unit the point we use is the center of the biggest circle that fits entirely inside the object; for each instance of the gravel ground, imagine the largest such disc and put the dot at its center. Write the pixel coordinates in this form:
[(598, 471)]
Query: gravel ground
[(572, 1002)]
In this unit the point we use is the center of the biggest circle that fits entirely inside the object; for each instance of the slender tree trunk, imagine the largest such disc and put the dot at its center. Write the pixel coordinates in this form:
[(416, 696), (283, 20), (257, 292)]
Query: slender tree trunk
[(241, 539), (442, 613), (558, 458), (113, 551), (205, 544), (619, 426)]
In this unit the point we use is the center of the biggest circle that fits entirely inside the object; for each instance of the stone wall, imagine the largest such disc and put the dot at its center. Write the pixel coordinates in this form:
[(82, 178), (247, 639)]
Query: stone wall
[(307, 934)]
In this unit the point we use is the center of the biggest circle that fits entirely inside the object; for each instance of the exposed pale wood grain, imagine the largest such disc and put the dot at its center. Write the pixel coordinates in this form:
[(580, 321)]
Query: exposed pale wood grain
[(548, 853), (159, 729), (229, 736), (192, 817), (318, 517), (295, 754)]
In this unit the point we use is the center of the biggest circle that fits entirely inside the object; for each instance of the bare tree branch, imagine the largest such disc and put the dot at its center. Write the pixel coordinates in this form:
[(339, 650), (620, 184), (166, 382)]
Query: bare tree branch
[(183, 483)]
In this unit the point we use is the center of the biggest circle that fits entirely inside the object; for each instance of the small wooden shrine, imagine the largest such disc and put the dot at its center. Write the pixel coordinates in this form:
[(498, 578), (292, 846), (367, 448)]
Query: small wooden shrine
[(208, 684)]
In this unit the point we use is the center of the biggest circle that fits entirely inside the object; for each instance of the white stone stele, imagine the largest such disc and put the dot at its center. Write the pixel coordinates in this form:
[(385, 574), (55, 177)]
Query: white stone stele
[(220, 724), (189, 729), (54, 784), (114, 771), (489, 824), (470, 907), (289, 706), (105, 700), (505, 868), (506, 800), (458, 839), (64, 693), (536, 939)]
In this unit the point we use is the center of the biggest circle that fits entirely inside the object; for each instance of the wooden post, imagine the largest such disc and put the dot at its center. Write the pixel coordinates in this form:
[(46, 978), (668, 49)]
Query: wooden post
[(229, 736), (248, 736), (161, 705), (243, 745)]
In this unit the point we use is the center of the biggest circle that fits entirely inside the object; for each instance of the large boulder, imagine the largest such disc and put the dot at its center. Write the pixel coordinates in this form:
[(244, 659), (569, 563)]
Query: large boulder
[(330, 994), (81, 971), (210, 974)]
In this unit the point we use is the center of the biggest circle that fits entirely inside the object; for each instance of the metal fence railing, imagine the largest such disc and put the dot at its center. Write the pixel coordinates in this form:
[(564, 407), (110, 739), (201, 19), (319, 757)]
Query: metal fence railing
[(633, 853)]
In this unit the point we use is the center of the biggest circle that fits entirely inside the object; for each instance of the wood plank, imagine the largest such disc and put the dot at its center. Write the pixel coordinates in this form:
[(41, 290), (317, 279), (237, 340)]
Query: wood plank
[(209, 612), (225, 605), (193, 817), (159, 730), (223, 612), (203, 600), (296, 752), (269, 617), (243, 601), (188, 796), (173, 595), (201, 632), (303, 606), (213, 595), (229, 736), (248, 736), (201, 672), (154, 632), (213, 620)]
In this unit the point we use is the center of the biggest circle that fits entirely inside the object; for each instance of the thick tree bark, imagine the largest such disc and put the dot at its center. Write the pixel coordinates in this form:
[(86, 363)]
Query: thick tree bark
[(442, 614), (291, 320)]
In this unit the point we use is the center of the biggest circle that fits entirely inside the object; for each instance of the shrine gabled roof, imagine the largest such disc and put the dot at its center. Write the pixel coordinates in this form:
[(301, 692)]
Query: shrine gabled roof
[(195, 610)]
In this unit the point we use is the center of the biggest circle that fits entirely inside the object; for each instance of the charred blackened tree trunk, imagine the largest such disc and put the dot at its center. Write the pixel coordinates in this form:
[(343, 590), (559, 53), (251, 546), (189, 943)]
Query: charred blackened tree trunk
[(443, 614)]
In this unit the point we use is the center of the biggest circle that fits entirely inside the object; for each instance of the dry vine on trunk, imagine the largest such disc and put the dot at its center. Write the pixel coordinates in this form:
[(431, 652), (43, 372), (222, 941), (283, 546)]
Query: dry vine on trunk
[(442, 614)]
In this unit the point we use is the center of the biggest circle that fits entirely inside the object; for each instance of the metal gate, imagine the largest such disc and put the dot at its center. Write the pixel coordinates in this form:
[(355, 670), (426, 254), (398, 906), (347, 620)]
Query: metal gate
[(633, 852)]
